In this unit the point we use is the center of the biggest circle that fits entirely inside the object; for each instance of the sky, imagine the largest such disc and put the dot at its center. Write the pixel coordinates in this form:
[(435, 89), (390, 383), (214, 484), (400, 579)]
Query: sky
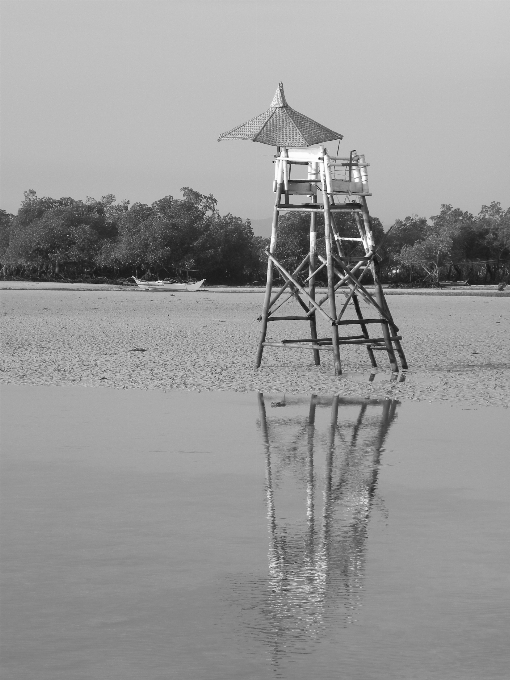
[(129, 97)]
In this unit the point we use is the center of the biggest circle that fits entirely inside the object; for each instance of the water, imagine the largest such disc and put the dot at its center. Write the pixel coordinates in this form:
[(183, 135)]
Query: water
[(219, 536)]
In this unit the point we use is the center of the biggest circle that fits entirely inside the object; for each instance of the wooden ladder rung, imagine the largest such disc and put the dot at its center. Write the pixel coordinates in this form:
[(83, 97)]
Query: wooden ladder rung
[(317, 340), (304, 207), (327, 342), (392, 337), (361, 341), (347, 322), (296, 345)]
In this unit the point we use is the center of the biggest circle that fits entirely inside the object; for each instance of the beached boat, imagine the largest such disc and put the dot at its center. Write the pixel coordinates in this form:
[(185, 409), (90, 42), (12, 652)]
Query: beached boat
[(167, 285)]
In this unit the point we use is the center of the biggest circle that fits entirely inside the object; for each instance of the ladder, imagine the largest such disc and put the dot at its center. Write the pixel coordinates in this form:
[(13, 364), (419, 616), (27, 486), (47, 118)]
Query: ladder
[(333, 186)]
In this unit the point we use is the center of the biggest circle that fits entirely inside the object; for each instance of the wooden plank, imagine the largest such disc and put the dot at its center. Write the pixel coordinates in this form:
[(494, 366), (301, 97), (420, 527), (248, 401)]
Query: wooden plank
[(298, 188), (343, 186)]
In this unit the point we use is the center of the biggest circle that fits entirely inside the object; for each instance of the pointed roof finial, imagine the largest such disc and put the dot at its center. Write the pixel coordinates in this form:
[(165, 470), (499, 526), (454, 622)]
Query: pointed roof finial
[(279, 100)]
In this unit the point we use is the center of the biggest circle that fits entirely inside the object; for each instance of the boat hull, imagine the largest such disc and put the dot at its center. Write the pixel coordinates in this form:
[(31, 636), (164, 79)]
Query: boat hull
[(163, 286)]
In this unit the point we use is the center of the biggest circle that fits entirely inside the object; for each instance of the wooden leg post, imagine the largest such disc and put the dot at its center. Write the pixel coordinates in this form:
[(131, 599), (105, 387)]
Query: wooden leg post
[(364, 329), (331, 285), (311, 288), (379, 295), (269, 281), (384, 305), (386, 333)]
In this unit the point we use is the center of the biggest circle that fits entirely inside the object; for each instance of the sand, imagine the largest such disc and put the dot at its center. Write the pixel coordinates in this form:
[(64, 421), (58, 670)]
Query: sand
[(458, 347)]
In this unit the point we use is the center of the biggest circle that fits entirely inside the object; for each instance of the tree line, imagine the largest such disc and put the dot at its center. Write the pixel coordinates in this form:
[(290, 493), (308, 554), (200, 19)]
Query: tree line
[(183, 238), (94, 239)]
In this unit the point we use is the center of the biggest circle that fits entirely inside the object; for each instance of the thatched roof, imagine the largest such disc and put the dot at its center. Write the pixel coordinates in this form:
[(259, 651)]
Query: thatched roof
[(282, 125)]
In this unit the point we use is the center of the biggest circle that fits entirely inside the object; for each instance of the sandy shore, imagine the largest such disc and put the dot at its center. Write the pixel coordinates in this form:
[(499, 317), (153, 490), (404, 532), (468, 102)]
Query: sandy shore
[(482, 291), (458, 347)]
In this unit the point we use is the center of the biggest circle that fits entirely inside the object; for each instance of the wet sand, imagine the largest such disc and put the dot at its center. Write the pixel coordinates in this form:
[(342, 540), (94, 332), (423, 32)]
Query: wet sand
[(458, 347)]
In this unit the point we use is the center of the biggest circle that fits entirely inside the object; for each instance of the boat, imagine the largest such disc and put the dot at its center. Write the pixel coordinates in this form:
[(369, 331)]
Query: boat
[(167, 285)]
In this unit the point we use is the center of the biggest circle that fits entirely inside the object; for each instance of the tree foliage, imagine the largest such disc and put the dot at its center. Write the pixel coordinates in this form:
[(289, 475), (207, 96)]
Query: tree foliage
[(187, 236), (48, 232), (454, 245), (173, 237)]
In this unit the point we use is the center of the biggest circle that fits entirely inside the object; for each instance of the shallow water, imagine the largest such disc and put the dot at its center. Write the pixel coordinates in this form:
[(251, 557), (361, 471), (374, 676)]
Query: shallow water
[(220, 536)]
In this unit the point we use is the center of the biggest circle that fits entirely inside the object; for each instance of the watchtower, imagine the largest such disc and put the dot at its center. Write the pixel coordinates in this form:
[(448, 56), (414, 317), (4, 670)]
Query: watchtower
[(332, 186)]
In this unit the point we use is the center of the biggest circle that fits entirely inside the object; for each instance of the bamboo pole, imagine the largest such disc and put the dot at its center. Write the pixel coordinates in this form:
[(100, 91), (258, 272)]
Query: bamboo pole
[(287, 318), (311, 276), (397, 343), (368, 242), (269, 280), (364, 329), (375, 273), (331, 273), (379, 295)]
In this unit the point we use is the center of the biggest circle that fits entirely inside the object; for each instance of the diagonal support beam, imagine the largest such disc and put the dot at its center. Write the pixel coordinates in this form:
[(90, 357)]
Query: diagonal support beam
[(293, 292), (366, 295), (343, 279), (299, 287), (353, 291), (287, 283)]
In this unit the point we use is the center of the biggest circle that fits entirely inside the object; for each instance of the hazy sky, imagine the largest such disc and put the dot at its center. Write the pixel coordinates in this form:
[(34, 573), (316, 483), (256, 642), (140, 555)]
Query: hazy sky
[(129, 98)]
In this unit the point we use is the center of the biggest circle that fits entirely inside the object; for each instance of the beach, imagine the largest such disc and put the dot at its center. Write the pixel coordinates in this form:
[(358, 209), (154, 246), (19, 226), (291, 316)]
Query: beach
[(168, 522), (457, 347)]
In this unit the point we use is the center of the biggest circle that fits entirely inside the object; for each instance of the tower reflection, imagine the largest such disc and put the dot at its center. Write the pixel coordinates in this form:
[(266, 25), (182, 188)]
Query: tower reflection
[(322, 459)]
